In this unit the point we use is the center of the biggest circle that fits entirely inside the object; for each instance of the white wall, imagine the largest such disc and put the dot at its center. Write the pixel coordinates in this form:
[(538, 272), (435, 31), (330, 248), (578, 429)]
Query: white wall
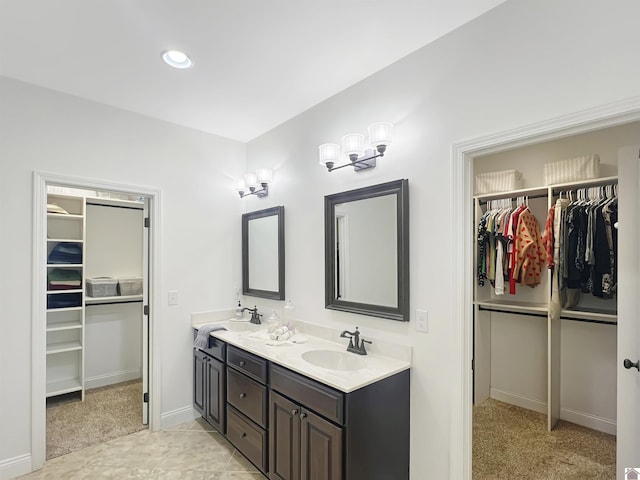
[(200, 243), (524, 62)]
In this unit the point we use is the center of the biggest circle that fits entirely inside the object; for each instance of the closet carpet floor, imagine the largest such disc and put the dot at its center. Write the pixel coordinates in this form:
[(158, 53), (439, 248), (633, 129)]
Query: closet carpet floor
[(192, 451), (512, 442), (106, 413)]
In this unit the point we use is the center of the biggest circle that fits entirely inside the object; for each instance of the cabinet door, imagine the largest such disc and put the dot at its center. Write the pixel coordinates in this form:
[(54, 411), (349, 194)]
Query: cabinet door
[(199, 388), (215, 394), (320, 448), (284, 438)]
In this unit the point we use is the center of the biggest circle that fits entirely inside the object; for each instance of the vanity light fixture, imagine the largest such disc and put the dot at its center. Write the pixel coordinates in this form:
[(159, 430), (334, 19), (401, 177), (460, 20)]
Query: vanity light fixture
[(353, 146), (255, 183), (176, 59)]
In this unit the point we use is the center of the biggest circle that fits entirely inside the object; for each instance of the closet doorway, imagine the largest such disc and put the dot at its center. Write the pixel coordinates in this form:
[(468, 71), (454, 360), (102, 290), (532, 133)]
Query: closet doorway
[(569, 369), (93, 318)]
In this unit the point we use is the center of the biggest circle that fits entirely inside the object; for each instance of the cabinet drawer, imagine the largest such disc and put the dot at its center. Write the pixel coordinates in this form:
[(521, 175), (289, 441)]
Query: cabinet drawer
[(317, 397), (217, 348), (248, 396), (247, 363), (249, 439)]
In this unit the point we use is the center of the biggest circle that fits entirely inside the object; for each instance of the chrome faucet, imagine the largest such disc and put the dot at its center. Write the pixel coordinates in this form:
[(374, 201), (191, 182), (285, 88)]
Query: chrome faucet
[(255, 316), (355, 344)]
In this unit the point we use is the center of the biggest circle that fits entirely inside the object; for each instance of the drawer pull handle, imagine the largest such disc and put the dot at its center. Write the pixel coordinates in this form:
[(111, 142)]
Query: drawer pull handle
[(243, 435), (242, 363), (303, 415), (294, 411), (242, 395)]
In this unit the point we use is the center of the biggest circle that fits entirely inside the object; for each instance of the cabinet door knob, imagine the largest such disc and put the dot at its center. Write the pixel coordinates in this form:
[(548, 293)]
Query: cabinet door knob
[(243, 435), (629, 364), (242, 363), (303, 415), (294, 411), (242, 395)]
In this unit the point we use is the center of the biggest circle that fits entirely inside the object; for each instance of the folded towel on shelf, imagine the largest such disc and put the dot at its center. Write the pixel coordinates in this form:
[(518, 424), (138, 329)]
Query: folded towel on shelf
[(202, 339)]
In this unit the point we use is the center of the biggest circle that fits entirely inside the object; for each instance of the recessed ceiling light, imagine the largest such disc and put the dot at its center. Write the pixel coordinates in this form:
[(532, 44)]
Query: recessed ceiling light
[(176, 59)]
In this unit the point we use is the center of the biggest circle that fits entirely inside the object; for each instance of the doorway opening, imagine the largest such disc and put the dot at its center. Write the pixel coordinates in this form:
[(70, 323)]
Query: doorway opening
[(465, 304), (92, 335)]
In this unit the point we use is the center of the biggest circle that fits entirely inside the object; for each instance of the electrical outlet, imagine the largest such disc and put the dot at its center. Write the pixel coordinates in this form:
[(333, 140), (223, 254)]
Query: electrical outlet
[(422, 321), (173, 297)]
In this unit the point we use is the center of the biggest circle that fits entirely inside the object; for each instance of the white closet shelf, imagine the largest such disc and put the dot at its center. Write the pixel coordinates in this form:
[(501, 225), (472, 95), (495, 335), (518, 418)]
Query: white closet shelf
[(61, 347), (64, 309), (561, 187), (58, 292), (58, 326), (65, 265), (513, 193), (63, 386), (114, 299), (591, 314), (510, 307), (69, 240), (65, 216)]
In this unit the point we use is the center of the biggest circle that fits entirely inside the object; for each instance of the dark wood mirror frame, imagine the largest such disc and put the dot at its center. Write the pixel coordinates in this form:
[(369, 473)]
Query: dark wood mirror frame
[(246, 218), (399, 188)]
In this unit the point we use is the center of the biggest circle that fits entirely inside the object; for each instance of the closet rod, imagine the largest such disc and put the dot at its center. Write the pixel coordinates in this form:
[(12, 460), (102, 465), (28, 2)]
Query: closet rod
[(112, 303), (115, 206), (542, 195), (544, 315)]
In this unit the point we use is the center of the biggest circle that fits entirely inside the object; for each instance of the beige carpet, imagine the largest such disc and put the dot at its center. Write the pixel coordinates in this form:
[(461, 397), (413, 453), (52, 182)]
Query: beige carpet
[(511, 442), (106, 413)]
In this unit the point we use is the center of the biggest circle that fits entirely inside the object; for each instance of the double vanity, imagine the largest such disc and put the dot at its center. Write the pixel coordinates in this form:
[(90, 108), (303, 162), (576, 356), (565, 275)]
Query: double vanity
[(305, 408)]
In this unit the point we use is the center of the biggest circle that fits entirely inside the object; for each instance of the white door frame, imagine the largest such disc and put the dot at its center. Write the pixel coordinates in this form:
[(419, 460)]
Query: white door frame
[(461, 202), (38, 302)]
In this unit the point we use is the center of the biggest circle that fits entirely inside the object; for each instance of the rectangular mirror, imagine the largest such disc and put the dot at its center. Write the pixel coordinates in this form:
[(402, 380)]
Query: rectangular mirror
[(367, 251), (263, 253)]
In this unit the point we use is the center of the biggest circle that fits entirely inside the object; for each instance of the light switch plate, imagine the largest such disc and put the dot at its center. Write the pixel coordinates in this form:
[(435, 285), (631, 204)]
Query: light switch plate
[(173, 297), (422, 321)]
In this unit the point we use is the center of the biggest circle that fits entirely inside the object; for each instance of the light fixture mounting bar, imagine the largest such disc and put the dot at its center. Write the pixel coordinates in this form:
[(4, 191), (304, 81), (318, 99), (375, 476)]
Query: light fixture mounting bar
[(363, 163), (262, 192)]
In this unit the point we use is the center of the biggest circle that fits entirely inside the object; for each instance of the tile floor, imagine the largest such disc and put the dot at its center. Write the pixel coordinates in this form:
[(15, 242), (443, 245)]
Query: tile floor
[(192, 451)]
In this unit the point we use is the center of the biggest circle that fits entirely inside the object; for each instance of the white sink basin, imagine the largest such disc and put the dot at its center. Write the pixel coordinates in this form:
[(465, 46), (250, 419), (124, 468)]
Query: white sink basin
[(234, 325), (334, 360)]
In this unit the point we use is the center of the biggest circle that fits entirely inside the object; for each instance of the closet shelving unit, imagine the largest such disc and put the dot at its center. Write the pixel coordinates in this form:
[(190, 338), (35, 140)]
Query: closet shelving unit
[(535, 301), (65, 325)]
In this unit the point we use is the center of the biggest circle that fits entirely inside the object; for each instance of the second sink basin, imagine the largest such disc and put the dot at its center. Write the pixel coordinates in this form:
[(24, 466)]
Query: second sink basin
[(334, 360)]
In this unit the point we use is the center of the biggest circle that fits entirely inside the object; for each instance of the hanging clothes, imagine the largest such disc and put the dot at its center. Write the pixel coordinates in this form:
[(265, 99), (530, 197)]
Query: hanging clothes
[(510, 248)]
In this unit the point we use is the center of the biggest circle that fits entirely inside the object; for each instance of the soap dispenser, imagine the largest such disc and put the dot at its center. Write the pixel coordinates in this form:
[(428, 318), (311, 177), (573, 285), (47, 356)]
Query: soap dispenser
[(238, 315)]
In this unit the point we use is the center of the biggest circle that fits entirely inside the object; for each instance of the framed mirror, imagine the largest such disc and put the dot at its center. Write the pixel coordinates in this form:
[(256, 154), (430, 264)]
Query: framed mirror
[(367, 251), (263, 253)]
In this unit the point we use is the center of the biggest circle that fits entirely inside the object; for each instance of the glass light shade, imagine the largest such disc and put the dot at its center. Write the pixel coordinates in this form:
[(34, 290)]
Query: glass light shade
[(380, 133), (176, 59), (240, 186), (329, 152), (265, 175), (250, 180), (353, 144)]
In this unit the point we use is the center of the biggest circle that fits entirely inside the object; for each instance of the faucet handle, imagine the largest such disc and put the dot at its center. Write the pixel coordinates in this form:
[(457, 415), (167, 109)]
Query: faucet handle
[(363, 351)]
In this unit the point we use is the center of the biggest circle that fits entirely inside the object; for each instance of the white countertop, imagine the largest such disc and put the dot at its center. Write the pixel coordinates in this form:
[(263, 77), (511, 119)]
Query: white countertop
[(289, 355)]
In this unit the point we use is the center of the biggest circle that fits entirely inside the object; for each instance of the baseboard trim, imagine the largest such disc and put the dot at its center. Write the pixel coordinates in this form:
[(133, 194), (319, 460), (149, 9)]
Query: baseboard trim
[(178, 416), (589, 420), (111, 378), (16, 466), (519, 401)]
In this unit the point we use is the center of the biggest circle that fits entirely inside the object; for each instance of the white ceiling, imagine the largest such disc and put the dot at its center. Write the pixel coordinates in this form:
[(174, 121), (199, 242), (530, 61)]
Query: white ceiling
[(257, 63)]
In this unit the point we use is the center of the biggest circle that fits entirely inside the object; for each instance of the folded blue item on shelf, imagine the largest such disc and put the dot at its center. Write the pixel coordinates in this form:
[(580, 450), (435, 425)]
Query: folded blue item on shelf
[(64, 300), (65, 252)]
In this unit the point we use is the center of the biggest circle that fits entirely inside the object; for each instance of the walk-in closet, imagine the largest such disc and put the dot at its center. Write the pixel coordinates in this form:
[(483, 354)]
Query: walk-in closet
[(545, 304), (96, 332)]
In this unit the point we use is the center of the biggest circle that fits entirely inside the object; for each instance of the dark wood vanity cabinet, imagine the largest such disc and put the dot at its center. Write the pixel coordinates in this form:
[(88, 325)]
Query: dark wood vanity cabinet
[(294, 428), (302, 444), (317, 432), (247, 395), (208, 389)]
